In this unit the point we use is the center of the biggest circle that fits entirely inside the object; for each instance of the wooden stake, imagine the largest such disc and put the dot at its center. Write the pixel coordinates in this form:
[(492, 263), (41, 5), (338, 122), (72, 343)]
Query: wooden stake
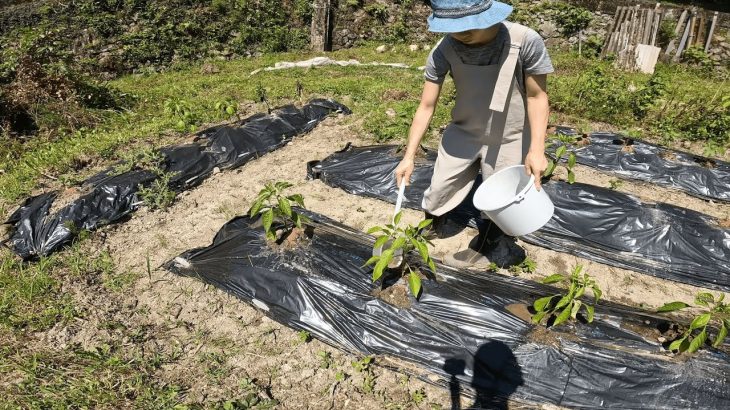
[(692, 25), (612, 33), (320, 29), (648, 25), (712, 31), (682, 42), (672, 46)]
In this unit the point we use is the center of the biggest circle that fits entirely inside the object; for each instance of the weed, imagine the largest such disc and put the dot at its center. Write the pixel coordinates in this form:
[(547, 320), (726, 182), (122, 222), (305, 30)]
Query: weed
[(340, 376), (271, 204), (418, 396), (325, 359), (182, 111), (713, 311), (363, 365), (713, 149), (304, 336), (226, 107), (158, 195), (526, 266), (566, 306), (377, 11), (615, 184), (403, 239)]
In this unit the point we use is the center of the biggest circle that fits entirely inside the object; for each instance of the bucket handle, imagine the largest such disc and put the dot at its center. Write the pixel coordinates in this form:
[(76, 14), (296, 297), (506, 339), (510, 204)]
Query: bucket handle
[(524, 192)]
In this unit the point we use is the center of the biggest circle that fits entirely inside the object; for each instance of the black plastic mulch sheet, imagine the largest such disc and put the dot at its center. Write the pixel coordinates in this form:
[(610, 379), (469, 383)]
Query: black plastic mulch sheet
[(110, 197), (460, 330), (595, 223), (635, 159)]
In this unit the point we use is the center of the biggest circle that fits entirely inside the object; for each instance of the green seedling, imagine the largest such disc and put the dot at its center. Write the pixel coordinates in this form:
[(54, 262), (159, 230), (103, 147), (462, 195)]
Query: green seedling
[(226, 107), (340, 376), (304, 336), (526, 266), (272, 204), (404, 240), (566, 306), (570, 164), (418, 396), (325, 359), (713, 311), (615, 184), (363, 365)]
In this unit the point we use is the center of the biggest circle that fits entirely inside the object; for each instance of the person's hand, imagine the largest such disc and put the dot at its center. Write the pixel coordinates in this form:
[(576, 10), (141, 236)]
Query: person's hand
[(535, 164), (404, 170)]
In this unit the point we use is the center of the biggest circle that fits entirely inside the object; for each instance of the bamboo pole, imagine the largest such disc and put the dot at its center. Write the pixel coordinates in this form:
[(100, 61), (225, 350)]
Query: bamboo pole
[(712, 31)]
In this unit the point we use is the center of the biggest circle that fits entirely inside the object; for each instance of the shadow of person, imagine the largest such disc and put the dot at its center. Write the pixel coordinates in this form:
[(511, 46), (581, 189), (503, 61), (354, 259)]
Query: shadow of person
[(455, 367), (496, 375)]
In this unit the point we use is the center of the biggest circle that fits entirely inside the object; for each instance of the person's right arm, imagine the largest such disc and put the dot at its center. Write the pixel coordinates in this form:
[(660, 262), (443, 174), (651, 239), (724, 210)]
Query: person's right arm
[(421, 120)]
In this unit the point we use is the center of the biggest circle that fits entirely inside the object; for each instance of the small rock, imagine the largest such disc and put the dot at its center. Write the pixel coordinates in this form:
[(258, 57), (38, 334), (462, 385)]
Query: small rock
[(209, 68), (661, 339), (413, 47), (216, 170), (391, 113), (686, 144), (382, 49)]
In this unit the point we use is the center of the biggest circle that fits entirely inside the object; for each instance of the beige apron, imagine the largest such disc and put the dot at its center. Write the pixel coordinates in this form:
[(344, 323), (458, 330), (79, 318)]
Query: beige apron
[(489, 128)]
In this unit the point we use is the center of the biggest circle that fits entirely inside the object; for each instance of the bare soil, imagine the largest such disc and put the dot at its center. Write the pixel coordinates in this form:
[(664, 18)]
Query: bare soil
[(197, 321), (396, 295)]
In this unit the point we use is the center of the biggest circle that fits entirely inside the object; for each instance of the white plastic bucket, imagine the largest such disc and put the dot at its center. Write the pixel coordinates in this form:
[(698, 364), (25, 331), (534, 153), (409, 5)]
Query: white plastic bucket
[(510, 199)]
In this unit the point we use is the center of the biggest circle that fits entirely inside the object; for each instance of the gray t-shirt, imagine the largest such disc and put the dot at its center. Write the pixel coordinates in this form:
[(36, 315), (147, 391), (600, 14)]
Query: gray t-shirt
[(534, 58)]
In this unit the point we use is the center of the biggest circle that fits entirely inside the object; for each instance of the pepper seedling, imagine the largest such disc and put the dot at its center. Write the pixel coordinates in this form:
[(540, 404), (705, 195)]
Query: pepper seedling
[(715, 311), (272, 204), (566, 306)]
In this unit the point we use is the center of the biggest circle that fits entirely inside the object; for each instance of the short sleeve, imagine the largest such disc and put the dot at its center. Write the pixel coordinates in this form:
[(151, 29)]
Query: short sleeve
[(534, 55), (437, 66)]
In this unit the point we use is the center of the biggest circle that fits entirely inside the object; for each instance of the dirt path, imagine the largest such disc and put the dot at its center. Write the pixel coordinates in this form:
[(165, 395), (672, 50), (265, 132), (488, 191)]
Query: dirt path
[(219, 341)]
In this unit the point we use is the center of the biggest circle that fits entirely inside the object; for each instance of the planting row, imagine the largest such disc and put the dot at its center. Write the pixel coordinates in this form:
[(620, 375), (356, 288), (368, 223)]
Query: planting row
[(474, 330), (595, 223), (635, 159), (154, 177)]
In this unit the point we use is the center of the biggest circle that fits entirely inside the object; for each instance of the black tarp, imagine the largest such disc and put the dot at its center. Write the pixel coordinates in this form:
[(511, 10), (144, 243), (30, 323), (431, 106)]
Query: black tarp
[(111, 197), (636, 159), (595, 223), (461, 329)]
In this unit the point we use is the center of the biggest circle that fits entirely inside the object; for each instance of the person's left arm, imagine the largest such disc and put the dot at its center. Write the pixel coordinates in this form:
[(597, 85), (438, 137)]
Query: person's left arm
[(538, 110)]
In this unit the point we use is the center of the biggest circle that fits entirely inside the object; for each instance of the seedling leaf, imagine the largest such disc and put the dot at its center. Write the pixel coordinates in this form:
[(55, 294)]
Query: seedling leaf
[(720, 335), (563, 316), (576, 307), (553, 279), (542, 303), (424, 223), (589, 313), (397, 218), (700, 321), (672, 306), (675, 345), (267, 219), (414, 283), (537, 317), (704, 299), (380, 242), (285, 206), (698, 341), (374, 229)]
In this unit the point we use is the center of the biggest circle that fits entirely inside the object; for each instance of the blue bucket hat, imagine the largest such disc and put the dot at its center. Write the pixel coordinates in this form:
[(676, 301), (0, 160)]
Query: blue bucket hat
[(454, 16)]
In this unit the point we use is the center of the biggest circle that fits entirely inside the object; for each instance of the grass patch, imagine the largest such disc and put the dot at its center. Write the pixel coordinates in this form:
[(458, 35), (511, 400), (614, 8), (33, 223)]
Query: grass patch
[(382, 98)]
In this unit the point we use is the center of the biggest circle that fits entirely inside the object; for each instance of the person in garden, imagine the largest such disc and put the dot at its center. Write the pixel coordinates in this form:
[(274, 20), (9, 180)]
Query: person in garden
[(500, 116)]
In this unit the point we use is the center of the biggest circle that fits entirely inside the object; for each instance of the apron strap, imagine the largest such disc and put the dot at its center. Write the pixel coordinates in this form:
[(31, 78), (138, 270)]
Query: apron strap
[(510, 56)]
